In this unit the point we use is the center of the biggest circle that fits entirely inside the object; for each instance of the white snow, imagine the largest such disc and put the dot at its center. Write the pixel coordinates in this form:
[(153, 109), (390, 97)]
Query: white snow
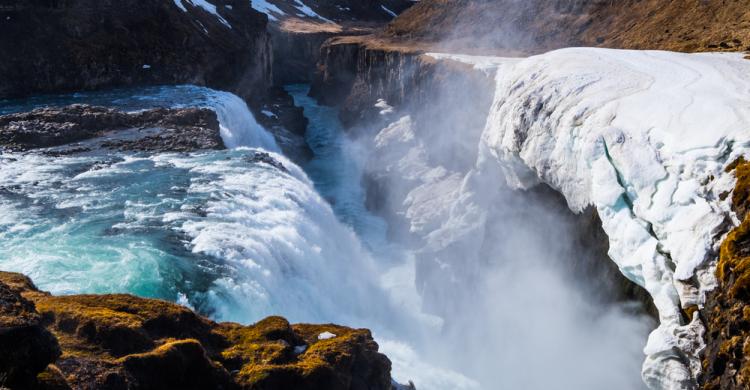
[(305, 9), (388, 11), (384, 107), (300, 349), (179, 5), (644, 137), (326, 336), (210, 8), (146, 66), (268, 113), (205, 5), (267, 8)]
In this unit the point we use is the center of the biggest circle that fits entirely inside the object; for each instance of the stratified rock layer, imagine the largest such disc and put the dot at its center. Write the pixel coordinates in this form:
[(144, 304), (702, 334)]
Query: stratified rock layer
[(126, 342)]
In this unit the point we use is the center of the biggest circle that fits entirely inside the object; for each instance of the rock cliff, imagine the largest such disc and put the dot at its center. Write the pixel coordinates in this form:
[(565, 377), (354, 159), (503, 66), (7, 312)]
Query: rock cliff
[(126, 342), (70, 45)]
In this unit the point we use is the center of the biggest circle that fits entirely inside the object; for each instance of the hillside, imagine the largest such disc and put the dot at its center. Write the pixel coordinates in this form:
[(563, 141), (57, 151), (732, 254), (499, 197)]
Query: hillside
[(536, 26)]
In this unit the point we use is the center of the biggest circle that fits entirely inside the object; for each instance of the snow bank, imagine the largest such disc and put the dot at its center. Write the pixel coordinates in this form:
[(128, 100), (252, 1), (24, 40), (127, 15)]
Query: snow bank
[(644, 137)]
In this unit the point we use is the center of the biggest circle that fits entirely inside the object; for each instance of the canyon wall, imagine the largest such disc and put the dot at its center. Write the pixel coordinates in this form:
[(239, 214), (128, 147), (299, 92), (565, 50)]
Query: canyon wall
[(53, 46)]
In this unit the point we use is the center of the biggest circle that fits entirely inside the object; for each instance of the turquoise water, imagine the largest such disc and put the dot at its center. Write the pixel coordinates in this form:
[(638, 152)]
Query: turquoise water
[(235, 239), (336, 169)]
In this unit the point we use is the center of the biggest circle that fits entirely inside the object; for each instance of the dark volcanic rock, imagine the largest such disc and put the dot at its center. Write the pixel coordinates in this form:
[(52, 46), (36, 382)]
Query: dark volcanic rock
[(27, 347), (265, 158), (56, 45), (126, 342), (160, 129)]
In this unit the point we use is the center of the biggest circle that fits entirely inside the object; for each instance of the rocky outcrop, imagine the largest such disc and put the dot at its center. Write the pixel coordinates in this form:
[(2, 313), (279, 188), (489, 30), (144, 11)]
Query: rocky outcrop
[(297, 43), (28, 347), (156, 130), (71, 45), (726, 361), (126, 342)]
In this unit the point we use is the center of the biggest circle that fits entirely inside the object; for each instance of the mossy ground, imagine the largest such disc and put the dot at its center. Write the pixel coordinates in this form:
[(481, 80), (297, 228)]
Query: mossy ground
[(122, 341)]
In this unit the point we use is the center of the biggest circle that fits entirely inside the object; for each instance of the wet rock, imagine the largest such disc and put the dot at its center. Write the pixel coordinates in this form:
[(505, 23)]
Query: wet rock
[(161, 129), (126, 342), (262, 157)]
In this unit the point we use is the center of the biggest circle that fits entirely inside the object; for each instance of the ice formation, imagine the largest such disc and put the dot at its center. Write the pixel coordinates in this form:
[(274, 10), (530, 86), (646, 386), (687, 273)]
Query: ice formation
[(644, 137)]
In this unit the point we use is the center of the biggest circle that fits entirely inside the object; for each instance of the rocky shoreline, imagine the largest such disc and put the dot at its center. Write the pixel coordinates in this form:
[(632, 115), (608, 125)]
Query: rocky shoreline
[(157, 130)]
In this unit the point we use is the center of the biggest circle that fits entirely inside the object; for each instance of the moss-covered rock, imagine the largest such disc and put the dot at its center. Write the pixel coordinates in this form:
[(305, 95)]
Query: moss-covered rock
[(726, 361), (125, 342)]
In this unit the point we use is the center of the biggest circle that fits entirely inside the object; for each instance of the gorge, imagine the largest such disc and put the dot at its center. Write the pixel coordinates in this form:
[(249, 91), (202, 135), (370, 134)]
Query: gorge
[(510, 213)]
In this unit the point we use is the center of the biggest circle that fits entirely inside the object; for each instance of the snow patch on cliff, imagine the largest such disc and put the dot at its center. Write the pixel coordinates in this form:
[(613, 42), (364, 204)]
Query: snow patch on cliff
[(267, 8), (206, 6), (644, 137)]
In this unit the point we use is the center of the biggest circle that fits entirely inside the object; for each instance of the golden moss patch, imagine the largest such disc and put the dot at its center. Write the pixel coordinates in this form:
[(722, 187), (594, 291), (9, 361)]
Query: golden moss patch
[(119, 341), (727, 313)]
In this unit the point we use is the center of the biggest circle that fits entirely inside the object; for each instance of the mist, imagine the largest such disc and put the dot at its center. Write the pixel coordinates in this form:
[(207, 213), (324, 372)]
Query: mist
[(528, 296)]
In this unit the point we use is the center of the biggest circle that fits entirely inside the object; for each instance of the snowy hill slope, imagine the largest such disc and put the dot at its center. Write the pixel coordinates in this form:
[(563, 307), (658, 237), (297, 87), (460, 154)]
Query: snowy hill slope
[(642, 136)]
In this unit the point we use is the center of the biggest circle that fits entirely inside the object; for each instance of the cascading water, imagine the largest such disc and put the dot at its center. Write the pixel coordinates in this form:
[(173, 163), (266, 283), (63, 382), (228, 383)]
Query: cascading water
[(239, 239), (234, 237)]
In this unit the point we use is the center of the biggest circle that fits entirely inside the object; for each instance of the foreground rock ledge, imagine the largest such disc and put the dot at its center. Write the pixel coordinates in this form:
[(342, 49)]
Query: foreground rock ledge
[(126, 342)]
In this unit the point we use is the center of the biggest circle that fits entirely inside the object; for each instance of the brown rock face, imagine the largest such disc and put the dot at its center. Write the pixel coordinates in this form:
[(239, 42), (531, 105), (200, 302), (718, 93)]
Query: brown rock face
[(726, 361), (55, 46), (125, 342), (173, 129), (535, 26)]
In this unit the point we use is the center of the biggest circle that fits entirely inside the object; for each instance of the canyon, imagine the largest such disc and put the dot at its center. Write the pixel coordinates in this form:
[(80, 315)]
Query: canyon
[(460, 180)]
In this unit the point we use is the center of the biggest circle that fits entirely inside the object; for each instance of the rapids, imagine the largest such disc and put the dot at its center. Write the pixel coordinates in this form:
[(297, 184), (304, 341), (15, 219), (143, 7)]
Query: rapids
[(233, 238)]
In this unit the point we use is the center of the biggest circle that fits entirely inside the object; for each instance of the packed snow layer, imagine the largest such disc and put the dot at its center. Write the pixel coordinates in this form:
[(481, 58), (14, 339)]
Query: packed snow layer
[(643, 136)]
